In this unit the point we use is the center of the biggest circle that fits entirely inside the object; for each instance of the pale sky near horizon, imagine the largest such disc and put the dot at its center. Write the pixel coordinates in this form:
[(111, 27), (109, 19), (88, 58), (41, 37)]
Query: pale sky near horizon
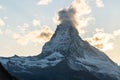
[(21, 21)]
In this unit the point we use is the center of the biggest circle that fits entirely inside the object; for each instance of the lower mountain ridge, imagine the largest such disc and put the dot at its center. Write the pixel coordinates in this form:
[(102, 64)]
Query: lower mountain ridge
[(4, 75), (65, 57)]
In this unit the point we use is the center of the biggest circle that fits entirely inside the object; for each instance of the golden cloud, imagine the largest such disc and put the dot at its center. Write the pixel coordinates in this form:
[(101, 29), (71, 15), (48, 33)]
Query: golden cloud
[(39, 36), (101, 40)]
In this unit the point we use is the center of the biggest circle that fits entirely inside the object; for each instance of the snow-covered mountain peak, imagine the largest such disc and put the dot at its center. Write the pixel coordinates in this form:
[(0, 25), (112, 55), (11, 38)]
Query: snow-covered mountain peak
[(64, 54), (79, 54), (61, 40)]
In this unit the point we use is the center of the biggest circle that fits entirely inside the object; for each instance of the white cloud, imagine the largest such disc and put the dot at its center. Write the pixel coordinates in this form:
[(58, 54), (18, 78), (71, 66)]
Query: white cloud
[(8, 32), (44, 2), (99, 3), (2, 23), (1, 32), (114, 53), (105, 41), (20, 39), (117, 32), (5, 17), (36, 36), (77, 14), (101, 40), (36, 22), (1, 7), (24, 27)]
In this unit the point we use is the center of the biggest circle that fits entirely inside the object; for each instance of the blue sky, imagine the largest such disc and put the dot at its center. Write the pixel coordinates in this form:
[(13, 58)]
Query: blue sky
[(20, 19)]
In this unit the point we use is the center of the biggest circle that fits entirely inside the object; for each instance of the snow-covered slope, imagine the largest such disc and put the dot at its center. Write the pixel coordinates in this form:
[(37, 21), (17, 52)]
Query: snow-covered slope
[(66, 54), (25, 62)]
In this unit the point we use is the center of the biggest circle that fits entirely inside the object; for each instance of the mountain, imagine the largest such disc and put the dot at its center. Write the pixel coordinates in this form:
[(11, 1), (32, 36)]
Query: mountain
[(65, 57), (4, 75)]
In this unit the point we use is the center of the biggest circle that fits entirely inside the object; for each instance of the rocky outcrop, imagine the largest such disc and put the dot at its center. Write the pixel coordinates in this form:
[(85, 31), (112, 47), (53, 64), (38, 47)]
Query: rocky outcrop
[(4, 75)]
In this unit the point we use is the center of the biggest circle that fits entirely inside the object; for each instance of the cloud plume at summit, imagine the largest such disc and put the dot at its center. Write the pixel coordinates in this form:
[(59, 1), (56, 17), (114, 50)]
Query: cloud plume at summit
[(77, 14)]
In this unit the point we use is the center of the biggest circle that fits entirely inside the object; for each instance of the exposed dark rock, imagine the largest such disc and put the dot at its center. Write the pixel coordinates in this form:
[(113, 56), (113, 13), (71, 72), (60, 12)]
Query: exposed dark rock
[(4, 75)]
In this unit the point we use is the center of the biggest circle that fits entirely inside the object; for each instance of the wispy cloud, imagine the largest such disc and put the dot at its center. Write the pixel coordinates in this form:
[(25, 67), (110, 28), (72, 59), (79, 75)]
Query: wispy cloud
[(117, 32), (34, 36), (23, 28), (44, 2), (2, 23), (46, 33), (101, 40), (1, 7), (36, 22), (77, 14), (1, 32), (99, 3), (104, 41), (5, 18), (23, 40)]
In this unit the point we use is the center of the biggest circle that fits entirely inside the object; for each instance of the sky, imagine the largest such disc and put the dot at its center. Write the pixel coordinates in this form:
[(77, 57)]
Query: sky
[(25, 25)]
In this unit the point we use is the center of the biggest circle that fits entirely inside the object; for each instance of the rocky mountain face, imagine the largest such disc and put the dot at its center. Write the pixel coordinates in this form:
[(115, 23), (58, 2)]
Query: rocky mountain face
[(65, 57), (4, 75)]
